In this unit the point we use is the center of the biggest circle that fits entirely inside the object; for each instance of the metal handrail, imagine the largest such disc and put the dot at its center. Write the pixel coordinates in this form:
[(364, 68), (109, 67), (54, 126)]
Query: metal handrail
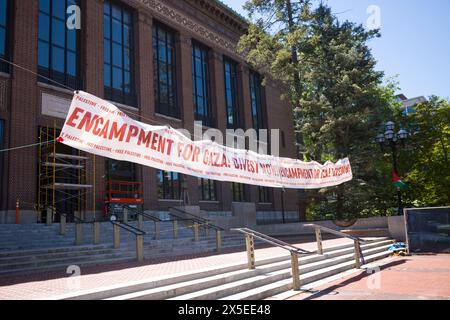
[(294, 251), (272, 241), (79, 220), (129, 228), (195, 219), (146, 215), (335, 232)]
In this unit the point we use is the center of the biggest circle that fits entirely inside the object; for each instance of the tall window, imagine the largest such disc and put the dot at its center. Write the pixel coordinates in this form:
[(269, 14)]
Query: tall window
[(4, 21), (231, 94), (238, 190), (58, 46), (164, 67), (169, 185), (208, 189), (118, 53), (265, 195), (258, 111), (201, 84), (121, 170)]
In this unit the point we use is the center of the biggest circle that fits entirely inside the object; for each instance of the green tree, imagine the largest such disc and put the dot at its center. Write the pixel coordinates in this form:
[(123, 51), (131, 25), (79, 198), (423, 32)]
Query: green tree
[(327, 72), (426, 158)]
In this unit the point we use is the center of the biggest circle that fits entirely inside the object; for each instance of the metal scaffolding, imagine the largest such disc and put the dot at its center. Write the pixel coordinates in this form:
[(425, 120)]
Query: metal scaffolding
[(63, 176)]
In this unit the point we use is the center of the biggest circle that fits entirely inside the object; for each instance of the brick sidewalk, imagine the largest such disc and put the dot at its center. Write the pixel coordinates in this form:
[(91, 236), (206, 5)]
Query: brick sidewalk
[(49, 284), (425, 277)]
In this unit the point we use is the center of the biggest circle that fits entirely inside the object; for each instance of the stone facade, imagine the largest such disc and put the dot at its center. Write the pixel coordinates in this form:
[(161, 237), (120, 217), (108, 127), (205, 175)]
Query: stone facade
[(208, 22)]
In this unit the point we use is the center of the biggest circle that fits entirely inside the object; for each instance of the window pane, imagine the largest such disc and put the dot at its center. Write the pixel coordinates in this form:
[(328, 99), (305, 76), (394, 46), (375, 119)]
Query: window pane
[(127, 82), (107, 51), (72, 40), (106, 27), (43, 54), (58, 59), (58, 32), (117, 55), (117, 12), (71, 63), (107, 75), (127, 60), (127, 18), (117, 78), (107, 8), (117, 31), (59, 9), (44, 27), (44, 5), (126, 36)]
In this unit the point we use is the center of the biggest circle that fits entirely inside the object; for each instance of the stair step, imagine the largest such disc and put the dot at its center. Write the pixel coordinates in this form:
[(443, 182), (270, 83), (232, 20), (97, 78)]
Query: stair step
[(286, 284)]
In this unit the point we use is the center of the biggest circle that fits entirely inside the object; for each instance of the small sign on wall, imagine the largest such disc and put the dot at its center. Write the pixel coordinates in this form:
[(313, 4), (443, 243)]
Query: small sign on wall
[(55, 106)]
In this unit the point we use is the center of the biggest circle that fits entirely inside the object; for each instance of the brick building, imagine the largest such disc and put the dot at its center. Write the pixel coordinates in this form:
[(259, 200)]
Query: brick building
[(169, 61)]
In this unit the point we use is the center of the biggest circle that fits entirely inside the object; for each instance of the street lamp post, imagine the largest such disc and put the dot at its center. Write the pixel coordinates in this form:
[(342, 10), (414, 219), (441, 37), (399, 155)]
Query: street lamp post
[(393, 140)]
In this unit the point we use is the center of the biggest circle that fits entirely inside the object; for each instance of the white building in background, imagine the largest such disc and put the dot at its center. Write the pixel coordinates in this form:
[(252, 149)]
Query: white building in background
[(409, 104)]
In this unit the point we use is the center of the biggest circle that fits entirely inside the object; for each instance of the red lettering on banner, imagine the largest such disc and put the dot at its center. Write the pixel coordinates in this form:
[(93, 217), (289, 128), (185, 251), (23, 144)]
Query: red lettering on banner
[(117, 134), (74, 116)]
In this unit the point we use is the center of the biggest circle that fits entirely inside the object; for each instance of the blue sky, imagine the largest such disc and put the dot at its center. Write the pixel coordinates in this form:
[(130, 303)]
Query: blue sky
[(415, 42)]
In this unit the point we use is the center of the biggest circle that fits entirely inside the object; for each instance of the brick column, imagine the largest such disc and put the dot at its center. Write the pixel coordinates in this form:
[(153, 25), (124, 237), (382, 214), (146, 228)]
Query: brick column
[(22, 164), (218, 100), (92, 62), (246, 110), (184, 73), (145, 93)]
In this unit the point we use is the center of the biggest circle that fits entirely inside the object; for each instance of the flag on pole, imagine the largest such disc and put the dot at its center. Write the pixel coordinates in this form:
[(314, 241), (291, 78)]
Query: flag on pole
[(398, 183)]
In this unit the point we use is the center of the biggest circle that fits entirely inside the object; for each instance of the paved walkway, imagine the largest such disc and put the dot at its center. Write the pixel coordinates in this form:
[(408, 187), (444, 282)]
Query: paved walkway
[(50, 284), (425, 277)]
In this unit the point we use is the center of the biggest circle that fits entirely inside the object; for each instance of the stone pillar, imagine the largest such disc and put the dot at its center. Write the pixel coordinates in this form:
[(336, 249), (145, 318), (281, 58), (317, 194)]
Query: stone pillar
[(140, 248), (62, 225), (78, 234), (96, 231), (116, 236)]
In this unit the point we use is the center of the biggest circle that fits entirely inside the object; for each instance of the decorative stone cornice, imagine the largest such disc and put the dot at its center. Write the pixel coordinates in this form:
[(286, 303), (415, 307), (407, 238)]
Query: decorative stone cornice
[(184, 21)]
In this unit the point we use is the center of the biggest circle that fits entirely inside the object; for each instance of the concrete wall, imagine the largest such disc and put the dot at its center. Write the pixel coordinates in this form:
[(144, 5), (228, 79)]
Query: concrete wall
[(397, 228)]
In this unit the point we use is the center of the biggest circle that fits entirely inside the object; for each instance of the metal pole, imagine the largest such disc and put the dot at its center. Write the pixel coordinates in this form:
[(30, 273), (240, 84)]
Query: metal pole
[(395, 165), (282, 206), (250, 243)]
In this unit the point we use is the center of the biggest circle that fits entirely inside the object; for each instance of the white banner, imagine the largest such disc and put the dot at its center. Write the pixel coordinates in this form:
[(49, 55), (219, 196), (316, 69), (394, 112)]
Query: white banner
[(98, 127)]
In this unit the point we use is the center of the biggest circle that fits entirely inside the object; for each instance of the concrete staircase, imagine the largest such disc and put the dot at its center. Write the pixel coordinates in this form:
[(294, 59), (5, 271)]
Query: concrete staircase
[(27, 249), (235, 282)]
